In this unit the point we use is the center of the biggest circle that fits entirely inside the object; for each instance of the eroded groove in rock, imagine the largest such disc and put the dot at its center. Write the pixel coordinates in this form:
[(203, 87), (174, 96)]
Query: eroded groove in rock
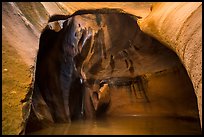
[(101, 65), (180, 30)]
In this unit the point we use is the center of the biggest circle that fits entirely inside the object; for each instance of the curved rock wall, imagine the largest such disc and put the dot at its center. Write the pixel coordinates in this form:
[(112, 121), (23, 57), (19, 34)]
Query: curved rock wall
[(167, 22), (178, 25)]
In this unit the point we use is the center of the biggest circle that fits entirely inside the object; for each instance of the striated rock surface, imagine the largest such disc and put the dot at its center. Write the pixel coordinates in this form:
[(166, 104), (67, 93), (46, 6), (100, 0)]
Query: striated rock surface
[(179, 26), (118, 52)]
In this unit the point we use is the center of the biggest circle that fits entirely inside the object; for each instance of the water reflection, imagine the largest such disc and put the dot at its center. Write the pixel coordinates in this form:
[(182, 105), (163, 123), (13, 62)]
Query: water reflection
[(171, 110), (127, 125)]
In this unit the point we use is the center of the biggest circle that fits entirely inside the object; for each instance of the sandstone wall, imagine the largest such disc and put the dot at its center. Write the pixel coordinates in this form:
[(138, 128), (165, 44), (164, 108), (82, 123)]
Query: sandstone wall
[(178, 25)]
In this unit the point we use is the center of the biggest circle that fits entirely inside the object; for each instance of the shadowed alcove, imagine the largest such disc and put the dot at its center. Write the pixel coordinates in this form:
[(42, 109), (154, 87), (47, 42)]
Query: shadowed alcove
[(98, 65)]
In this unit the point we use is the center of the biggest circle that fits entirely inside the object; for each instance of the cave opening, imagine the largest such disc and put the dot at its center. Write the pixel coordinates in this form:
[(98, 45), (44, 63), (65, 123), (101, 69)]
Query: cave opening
[(101, 65)]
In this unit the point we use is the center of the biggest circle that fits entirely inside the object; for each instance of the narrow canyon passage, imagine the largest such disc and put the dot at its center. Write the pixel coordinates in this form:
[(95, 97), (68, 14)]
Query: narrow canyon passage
[(101, 69)]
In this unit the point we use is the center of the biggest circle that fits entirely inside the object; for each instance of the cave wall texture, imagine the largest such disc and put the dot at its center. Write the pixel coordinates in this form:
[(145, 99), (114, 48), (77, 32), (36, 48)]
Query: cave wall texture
[(175, 24), (179, 26)]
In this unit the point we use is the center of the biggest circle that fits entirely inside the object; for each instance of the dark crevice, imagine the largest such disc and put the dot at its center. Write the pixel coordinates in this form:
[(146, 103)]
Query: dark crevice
[(73, 67)]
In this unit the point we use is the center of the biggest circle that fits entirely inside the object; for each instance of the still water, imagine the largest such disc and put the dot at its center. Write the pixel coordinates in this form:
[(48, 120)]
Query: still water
[(126, 125), (171, 110)]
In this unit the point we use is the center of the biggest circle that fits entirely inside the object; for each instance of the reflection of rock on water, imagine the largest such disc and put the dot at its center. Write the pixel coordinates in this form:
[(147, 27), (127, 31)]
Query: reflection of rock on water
[(165, 98), (138, 88), (163, 93), (121, 60)]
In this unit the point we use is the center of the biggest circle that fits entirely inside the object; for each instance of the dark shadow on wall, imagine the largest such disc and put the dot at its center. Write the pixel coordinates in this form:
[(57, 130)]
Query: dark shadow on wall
[(119, 53)]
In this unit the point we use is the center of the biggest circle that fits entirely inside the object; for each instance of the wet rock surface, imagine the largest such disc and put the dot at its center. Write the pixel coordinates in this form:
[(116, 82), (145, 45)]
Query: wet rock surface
[(164, 87), (84, 60), (182, 32)]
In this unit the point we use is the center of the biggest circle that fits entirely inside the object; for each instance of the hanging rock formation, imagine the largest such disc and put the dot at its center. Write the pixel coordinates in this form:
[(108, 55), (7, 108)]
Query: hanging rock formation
[(129, 50), (80, 55)]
